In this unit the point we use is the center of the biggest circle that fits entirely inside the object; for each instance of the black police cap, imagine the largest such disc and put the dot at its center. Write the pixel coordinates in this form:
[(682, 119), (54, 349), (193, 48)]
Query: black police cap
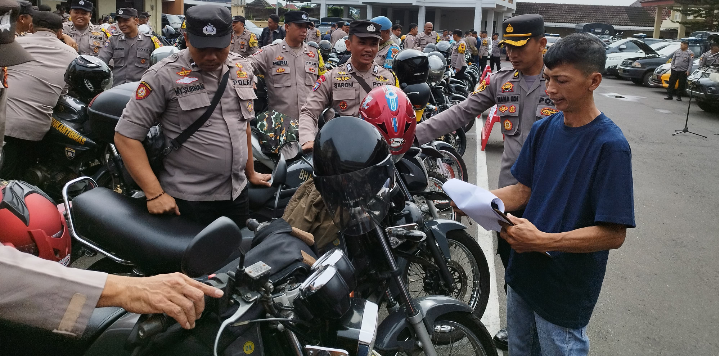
[(144, 15), (519, 29), (209, 26), (48, 20), (365, 29), (25, 8), (82, 5), (126, 13), (239, 19), (297, 17)]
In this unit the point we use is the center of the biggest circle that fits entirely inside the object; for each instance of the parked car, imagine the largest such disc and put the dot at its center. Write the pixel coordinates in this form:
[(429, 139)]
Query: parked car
[(703, 85), (640, 69), (552, 39), (660, 77), (173, 20), (623, 49), (250, 26)]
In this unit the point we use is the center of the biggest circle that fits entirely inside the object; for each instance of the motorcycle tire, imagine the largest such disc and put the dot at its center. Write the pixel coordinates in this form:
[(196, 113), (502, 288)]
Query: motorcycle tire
[(458, 140), (457, 334), (467, 259), (444, 210)]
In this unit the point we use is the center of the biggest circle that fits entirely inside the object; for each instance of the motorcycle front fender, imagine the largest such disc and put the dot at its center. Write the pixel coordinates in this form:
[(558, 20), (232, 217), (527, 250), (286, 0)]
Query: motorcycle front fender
[(111, 342), (439, 229), (432, 307)]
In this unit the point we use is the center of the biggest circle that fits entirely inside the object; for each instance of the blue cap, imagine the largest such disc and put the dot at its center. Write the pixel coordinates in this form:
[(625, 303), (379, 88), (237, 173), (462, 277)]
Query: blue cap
[(384, 22)]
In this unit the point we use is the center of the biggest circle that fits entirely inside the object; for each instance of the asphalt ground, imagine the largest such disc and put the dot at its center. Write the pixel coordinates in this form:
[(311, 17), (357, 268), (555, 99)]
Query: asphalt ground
[(661, 287)]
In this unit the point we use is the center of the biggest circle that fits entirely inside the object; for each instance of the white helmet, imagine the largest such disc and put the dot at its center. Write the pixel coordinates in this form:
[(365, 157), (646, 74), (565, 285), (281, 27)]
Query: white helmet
[(144, 29), (277, 41), (161, 53), (340, 47)]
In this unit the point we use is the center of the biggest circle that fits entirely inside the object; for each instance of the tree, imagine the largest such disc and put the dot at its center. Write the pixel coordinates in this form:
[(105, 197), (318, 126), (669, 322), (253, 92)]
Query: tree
[(702, 15), (335, 11)]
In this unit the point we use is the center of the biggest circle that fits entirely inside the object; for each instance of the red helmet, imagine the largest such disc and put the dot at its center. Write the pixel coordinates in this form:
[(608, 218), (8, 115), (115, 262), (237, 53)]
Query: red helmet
[(389, 109), (32, 223)]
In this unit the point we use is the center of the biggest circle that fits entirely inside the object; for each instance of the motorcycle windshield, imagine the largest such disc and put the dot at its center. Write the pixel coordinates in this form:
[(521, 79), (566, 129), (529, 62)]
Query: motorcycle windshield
[(358, 201)]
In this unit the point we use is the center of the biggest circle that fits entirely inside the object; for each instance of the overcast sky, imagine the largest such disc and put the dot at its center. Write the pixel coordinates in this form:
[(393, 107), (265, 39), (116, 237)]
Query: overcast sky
[(587, 2)]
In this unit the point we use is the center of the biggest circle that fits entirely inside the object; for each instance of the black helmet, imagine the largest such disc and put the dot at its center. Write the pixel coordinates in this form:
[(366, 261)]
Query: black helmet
[(354, 173), (418, 94), (430, 47), (88, 76), (411, 67), (444, 47), (313, 44), (325, 49)]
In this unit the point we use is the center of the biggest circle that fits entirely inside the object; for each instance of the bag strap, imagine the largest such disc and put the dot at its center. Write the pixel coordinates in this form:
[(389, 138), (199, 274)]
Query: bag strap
[(362, 82), (182, 137)]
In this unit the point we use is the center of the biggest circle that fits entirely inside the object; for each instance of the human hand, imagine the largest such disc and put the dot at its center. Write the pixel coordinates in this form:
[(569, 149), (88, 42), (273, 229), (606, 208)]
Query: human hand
[(176, 295), (457, 210), (260, 179), (69, 41), (165, 204), (523, 236), (308, 146)]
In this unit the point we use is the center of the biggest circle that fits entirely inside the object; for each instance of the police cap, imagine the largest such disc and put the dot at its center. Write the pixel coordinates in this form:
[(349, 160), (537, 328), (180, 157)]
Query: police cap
[(11, 52), (48, 20), (82, 5), (126, 13), (209, 26), (144, 15), (297, 17), (519, 29), (239, 19), (365, 29), (25, 8)]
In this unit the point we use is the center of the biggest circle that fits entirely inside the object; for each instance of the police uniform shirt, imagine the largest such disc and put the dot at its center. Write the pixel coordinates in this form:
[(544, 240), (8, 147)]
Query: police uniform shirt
[(424, 39), (471, 43), (244, 44), (496, 52), (518, 106), (43, 294), (340, 91), (289, 75), (131, 56), (411, 42), (708, 59), (682, 60), (337, 35), (445, 38), (386, 54), (90, 40), (35, 86), (210, 165), (314, 35), (483, 46), (457, 58)]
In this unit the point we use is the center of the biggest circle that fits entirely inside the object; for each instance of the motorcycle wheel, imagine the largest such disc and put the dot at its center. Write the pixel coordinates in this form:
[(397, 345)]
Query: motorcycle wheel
[(468, 266), (444, 210), (457, 334), (458, 140)]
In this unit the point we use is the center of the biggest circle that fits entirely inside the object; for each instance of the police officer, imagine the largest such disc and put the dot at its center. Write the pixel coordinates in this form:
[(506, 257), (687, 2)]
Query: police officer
[(207, 176), (520, 97), (33, 90), (130, 50), (681, 63), (24, 21), (710, 57), (387, 48), (144, 19), (244, 42), (484, 47), (290, 67), (427, 37), (340, 32), (494, 59), (90, 38), (458, 61), (471, 42), (345, 86), (411, 41), (313, 34)]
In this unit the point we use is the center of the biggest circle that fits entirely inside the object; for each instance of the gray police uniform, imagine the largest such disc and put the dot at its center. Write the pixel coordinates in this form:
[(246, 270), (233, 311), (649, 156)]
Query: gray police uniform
[(424, 39), (35, 86), (518, 106), (708, 59), (337, 35), (90, 40), (244, 44), (458, 58), (682, 60), (339, 90), (131, 56), (210, 165), (411, 42), (314, 36), (484, 47)]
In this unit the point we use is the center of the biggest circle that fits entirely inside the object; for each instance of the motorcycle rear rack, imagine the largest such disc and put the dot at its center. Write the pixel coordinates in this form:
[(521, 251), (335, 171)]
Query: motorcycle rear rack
[(71, 225)]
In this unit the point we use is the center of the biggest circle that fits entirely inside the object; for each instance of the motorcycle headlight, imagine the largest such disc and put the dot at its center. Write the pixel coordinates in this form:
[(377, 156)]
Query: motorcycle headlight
[(636, 64)]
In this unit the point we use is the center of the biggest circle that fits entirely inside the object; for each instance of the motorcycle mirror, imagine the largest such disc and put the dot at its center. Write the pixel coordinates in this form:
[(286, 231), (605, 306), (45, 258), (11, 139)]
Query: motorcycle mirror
[(211, 248)]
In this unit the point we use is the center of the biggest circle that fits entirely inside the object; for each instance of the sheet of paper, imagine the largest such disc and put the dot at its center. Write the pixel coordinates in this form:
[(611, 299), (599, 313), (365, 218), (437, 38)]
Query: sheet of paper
[(476, 202)]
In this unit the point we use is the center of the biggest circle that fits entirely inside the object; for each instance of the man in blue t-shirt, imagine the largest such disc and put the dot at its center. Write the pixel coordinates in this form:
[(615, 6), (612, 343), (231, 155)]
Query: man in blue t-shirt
[(575, 183)]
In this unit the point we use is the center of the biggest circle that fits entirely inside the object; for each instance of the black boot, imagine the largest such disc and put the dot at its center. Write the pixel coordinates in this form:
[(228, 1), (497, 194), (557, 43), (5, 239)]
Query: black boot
[(668, 98), (500, 340), (679, 98)]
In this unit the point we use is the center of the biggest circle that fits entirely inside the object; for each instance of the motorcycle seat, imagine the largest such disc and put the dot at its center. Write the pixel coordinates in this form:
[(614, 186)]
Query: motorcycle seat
[(155, 244)]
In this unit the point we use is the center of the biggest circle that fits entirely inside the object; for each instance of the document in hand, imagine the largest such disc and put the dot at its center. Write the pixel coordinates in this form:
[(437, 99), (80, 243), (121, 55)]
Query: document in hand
[(478, 203)]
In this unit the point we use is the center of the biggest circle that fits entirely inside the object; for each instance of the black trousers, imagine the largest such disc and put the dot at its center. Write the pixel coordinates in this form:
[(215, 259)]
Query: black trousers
[(503, 247), (681, 76), (495, 62), (19, 155), (482, 63), (205, 212)]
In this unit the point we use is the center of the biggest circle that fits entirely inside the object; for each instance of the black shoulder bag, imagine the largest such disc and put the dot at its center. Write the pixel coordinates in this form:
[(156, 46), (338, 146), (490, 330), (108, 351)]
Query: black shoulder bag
[(158, 146), (362, 83)]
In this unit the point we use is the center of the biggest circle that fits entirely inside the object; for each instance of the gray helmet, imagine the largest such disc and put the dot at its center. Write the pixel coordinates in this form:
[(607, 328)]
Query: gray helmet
[(162, 53), (436, 68)]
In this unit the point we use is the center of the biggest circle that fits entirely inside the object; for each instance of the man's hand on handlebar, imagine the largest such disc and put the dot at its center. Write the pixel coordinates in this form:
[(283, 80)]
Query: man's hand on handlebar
[(307, 147), (176, 295)]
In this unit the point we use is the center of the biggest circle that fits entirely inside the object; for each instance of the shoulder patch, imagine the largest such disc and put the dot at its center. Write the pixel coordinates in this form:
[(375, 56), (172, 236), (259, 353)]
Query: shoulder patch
[(143, 90), (319, 82)]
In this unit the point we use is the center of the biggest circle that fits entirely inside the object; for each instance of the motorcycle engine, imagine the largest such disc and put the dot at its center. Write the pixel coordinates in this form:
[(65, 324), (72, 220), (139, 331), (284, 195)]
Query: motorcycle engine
[(49, 179)]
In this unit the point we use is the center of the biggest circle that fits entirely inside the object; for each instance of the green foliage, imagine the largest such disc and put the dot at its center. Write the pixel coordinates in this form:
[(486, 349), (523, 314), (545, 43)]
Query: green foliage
[(335, 11), (703, 15)]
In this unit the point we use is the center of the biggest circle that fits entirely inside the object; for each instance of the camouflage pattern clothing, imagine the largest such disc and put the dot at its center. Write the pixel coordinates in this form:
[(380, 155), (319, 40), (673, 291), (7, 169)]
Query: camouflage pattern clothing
[(273, 133)]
